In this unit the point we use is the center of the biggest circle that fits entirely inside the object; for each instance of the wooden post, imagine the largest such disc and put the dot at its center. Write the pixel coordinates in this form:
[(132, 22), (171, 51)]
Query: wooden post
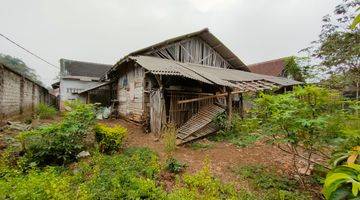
[(229, 104), (241, 106)]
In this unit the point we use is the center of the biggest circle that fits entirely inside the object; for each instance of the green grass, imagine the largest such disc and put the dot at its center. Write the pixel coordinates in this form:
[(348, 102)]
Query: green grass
[(269, 184), (200, 145)]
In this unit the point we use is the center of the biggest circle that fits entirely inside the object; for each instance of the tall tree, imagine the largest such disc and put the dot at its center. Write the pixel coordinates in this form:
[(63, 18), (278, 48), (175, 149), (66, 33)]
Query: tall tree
[(338, 46)]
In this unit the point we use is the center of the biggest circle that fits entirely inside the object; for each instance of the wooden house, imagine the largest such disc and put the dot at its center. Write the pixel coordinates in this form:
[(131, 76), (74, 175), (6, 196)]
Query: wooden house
[(186, 80)]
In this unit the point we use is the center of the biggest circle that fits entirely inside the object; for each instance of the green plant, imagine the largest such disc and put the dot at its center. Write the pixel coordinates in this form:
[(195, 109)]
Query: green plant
[(57, 144), (307, 118), (110, 139), (266, 178), (241, 132), (203, 185), (169, 132), (343, 182), (44, 111), (201, 145), (174, 166)]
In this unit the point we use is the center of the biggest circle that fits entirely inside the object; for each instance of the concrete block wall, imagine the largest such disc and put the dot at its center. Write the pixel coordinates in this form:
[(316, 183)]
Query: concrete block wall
[(19, 95)]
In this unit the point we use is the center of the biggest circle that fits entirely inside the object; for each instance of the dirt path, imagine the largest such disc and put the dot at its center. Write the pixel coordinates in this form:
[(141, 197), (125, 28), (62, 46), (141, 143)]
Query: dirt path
[(224, 156)]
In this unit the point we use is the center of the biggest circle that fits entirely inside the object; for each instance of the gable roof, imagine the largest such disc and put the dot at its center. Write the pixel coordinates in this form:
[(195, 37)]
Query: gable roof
[(271, 67), (80, 68), (203, 34)]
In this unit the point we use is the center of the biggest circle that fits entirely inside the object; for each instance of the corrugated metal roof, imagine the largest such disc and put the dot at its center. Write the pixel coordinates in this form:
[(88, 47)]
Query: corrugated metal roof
[(167, 67), (94, 87), (207, 74)]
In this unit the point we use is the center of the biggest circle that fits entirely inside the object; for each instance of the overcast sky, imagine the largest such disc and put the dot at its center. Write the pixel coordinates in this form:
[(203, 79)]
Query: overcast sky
[(103, 31)]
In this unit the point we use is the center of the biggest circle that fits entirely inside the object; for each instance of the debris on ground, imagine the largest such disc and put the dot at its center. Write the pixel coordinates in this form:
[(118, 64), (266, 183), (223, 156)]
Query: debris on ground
[(17, 126), (83, 154)]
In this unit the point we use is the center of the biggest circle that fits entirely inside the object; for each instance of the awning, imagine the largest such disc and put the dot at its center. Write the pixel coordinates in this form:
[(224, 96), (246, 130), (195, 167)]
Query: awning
[(242, 80), (94, 87)]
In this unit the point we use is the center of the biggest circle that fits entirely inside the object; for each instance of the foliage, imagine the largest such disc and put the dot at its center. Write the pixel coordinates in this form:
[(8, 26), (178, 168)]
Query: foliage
[(343, 182), (174, 166), (57, 144), (271, 184), (200, 145), (127, 176), (337, 48), (293, 69), (266, 178), (169, 132), (19, 66), (203, 185), (241, 132), (44, 111), (110, 139)]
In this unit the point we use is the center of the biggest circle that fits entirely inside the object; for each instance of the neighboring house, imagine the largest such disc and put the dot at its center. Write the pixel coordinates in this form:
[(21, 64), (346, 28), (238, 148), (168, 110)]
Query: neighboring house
[(186, 81), (75, 76), (272, 68)]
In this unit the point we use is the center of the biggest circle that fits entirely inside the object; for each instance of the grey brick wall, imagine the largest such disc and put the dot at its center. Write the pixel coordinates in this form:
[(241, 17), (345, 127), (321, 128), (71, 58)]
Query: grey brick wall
[(18, 95)]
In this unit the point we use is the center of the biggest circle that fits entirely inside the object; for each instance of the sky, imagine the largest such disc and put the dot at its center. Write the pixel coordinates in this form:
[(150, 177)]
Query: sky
[(103, 31)]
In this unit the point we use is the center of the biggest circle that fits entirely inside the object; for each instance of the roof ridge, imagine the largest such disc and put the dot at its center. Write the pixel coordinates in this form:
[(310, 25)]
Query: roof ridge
[(86, 62)]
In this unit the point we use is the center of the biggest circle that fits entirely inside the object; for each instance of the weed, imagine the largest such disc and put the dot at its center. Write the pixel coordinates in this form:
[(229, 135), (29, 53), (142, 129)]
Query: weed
[(201, 145), (44, 111), (266, 178), (174, 166), (170, 138), (241, 132)]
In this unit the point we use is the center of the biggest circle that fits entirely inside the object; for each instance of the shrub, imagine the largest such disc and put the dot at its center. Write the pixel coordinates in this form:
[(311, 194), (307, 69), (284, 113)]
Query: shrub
[(170, 137), (57, 144), (44, 111), (110, 139), (174, 166)]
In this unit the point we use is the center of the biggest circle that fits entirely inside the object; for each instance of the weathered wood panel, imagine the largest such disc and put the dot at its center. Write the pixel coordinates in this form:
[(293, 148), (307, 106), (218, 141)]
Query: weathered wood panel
[(193, 50), (130, 93)]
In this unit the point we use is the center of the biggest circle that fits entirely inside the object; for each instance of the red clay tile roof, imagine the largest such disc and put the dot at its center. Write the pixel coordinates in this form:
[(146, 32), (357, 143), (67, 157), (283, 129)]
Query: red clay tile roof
[(271, 67)]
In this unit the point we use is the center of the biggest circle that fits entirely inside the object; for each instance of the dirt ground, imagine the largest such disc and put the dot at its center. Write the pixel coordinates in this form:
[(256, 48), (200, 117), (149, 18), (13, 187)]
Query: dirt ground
[(224, 156)]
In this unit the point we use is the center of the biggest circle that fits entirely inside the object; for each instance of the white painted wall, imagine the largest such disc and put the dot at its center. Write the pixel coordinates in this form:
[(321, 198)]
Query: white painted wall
[(67, 86)]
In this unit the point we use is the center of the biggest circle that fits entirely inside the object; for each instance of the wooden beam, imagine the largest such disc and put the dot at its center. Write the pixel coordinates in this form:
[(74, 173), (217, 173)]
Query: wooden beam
[(208, 97)]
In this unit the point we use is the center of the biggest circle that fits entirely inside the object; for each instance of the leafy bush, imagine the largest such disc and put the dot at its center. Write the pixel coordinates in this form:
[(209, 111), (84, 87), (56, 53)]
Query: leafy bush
[(170, 137), (57, 144), (174, 166), (43, 111), (110, 139)]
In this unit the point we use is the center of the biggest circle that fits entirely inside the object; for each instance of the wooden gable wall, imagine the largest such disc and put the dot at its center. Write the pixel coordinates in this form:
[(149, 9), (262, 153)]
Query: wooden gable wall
[(193, 50)]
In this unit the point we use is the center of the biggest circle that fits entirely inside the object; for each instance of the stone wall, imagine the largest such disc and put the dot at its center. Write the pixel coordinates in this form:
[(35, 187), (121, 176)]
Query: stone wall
[(19, 95)]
